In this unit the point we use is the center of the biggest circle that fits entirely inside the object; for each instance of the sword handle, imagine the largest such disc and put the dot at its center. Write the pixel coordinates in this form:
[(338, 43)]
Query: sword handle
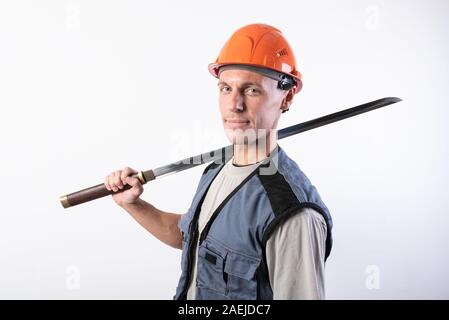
[(100, 191)]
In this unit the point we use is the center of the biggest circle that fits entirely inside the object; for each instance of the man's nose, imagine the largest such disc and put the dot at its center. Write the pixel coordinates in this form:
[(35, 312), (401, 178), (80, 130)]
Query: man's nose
[(236, 103)]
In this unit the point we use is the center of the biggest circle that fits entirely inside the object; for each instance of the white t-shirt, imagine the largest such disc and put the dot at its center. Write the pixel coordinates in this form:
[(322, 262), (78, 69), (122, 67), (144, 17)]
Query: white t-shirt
[(295, 250)]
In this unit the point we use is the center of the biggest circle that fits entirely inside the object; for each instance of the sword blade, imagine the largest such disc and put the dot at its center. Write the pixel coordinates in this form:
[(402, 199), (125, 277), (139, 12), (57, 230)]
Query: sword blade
[(226, 153)]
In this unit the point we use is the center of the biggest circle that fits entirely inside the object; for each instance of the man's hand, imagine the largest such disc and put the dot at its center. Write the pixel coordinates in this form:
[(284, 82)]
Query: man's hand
[(117, 180)]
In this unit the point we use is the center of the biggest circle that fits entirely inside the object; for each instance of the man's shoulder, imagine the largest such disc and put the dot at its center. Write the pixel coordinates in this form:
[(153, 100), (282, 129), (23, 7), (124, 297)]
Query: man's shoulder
[(305, 222), (305, 217), (285, 183)]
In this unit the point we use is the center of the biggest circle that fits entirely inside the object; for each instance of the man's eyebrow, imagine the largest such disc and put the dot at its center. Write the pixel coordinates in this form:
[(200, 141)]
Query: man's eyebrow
[(245, 84)]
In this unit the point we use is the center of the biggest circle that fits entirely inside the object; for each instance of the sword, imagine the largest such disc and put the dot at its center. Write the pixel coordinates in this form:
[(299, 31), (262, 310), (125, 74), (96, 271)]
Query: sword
[(221, 154)]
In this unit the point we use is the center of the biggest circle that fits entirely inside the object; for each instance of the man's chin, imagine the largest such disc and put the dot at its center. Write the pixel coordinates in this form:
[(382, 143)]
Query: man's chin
[(251, 136), (241, 137)]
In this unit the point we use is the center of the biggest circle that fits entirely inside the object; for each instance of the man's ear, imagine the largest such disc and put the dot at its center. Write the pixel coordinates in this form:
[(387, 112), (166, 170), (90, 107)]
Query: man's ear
[(288, 99)]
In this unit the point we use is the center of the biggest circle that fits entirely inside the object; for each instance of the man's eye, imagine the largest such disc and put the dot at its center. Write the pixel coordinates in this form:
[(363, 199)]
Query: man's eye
[(225, 89), (252, 91)]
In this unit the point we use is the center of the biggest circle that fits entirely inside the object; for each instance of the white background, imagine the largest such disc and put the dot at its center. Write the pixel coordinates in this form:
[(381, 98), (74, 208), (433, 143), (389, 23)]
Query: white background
[(87, 87)]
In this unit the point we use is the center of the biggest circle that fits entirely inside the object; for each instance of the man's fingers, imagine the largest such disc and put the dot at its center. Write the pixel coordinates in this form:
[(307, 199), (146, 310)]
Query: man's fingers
[(111, 182), (127, 171), (134, 182), (137, 188), (106, 183), (117, 180)]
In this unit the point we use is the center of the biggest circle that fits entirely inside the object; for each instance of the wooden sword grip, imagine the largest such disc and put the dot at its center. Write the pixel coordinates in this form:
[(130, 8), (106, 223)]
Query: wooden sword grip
[(100, 191)]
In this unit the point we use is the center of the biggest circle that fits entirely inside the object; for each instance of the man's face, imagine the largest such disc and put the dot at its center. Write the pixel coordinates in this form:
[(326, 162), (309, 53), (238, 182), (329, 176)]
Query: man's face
[(248, 102)]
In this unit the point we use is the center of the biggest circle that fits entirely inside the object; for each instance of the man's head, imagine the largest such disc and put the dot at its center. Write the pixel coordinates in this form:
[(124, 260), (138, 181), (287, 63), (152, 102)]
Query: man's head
[(257, 80), (250, 101)]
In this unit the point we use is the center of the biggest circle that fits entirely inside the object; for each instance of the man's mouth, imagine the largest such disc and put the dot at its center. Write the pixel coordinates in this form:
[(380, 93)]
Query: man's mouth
[(236, 123)]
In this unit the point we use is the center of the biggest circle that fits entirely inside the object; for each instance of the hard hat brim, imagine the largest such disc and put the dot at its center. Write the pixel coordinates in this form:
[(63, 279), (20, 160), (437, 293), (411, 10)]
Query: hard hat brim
[(214, 69)]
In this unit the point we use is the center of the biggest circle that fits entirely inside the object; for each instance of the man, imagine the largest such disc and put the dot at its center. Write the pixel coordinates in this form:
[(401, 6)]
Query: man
[(257, 228)]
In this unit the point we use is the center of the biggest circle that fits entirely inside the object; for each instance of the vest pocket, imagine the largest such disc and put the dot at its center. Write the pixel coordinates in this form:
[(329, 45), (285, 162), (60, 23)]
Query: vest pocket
[(210, 275), (224, 273), (241, 270)]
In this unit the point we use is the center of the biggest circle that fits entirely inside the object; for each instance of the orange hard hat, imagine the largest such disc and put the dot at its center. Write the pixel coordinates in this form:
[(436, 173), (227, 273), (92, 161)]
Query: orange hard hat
[(258, 46)]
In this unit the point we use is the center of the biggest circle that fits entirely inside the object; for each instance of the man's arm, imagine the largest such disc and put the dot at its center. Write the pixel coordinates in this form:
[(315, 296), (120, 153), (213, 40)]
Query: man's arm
[(295, 257), (162, 225)]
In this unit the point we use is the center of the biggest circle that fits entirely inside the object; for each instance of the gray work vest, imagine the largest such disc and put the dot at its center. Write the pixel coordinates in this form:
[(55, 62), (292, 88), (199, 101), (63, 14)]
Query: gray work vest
[(231, 260)]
